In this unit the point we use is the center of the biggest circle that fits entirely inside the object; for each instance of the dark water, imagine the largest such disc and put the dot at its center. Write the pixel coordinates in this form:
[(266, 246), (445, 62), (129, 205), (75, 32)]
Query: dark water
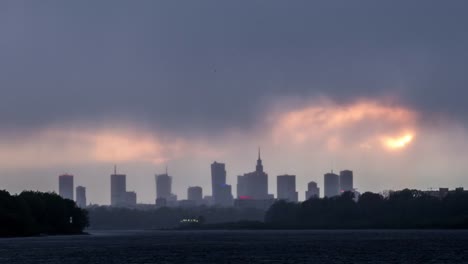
[(241, 247)]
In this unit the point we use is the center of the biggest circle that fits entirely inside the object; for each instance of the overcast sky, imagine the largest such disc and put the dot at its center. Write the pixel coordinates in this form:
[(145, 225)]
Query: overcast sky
[(378, 87)]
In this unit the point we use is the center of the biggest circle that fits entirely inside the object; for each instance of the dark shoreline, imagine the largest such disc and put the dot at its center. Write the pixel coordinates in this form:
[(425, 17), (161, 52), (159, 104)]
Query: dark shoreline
[(48, 235), (254, 225)]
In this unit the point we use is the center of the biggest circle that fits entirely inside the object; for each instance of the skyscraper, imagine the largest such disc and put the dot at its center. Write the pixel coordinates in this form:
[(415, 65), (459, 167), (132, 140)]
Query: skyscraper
[(66, 186), (332, 184), (195, 194), (222, 194), (242, 187), (253, 185), (81, 196), (286, 188), (312, 190), (346, 181), (164, 187), (218, 180), (118, 189)]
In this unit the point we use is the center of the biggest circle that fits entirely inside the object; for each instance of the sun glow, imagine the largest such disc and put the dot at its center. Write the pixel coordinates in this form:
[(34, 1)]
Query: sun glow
[(364, 125), (398, 142)]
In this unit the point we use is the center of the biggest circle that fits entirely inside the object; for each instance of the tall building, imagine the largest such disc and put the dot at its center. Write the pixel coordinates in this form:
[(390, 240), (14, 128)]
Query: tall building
[(66, 186), (346, 181), (118, 189), (286, 188), (195, 194), (163, 186), (225, 196), (312, 190), (81, 196), (253, 185), (164, 195), (332, 184), (221, 192)]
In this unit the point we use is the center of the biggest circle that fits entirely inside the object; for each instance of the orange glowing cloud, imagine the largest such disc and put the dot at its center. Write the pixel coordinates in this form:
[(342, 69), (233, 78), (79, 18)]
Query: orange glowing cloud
[(108, 146), (54, 147), (397, 142), (360, 124)]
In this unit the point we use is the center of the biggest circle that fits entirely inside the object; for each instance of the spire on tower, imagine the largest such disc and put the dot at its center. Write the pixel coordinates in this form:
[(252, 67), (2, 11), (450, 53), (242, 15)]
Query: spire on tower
[(259, 167), (115, 169)]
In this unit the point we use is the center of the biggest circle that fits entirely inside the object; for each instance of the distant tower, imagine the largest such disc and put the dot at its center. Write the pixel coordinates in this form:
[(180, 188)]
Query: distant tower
[(221, 192), (118, 188), (66, 186), (253, 185), (332, 184), (286, 188), (218, 180), (81, 196), (346, 181), (312, 190), (195, 194), (163, 186), (259, 167)]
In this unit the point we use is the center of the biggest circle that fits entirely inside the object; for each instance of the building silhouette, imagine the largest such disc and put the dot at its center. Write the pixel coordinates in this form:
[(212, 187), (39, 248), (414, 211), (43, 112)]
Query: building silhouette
[(312, 190), (130, 199), (66, 186), (286, 188), (221, 192), (195, 194), (331, 184), (163, 186), (118, 189), (81, 196), (253, 185), (164, 195), (346, 181)]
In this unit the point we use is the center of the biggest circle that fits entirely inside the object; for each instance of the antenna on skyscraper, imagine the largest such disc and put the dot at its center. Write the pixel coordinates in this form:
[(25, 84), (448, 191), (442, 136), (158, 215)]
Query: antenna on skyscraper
[(166, 170), (259, 152), (115, 169)]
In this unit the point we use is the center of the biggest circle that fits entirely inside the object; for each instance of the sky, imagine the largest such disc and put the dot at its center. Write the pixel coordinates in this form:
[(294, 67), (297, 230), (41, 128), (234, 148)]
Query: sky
[(378, 87)]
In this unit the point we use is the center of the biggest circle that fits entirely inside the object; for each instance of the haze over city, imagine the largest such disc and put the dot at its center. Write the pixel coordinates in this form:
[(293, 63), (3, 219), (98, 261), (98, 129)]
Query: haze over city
[(375, 88)]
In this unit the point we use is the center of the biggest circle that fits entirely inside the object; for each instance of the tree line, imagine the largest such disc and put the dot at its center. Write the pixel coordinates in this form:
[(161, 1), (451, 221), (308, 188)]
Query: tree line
[(35, 213), (402, 209)]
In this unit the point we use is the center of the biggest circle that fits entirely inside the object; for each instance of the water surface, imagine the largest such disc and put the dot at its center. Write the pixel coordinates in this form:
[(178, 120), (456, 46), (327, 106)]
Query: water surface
[(241, 247)]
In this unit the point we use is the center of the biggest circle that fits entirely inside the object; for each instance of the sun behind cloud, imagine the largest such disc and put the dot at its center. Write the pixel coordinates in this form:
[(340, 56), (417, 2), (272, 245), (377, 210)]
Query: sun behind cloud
[(400, 142), (365, 125)]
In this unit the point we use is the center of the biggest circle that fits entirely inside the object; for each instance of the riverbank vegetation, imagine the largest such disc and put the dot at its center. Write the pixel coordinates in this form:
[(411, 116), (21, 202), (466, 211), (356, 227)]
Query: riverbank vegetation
[(400, 210), (36, 213)]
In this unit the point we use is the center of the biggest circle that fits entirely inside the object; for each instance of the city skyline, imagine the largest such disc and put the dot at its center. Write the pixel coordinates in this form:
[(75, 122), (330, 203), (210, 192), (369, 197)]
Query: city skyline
[(319, 86), (250, 187), (272, 181)]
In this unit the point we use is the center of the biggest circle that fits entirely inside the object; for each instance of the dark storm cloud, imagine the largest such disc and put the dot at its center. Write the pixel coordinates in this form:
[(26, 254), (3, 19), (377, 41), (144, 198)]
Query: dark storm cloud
[(214, 64)]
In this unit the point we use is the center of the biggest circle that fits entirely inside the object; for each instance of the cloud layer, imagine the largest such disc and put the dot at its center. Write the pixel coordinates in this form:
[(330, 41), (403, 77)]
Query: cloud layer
[(375, 87)]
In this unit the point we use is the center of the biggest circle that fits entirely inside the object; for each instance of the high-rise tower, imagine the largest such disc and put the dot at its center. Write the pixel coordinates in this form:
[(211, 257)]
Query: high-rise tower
[(313, 191), (81, 196), (253, 185), (331, 184), (286, 188), (346, 181), (66, 186), (222, 194), (163, 186), (118, 188), (259, 167)]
